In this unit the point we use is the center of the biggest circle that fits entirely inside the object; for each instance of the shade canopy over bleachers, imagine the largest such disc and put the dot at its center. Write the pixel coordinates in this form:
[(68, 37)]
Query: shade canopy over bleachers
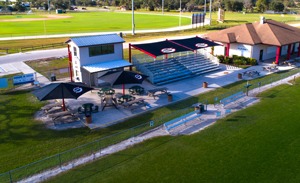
[(173, 46), (164, 67)]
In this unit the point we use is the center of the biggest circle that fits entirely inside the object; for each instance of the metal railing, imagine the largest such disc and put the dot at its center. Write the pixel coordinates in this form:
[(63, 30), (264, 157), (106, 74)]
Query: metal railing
[(31, 48)]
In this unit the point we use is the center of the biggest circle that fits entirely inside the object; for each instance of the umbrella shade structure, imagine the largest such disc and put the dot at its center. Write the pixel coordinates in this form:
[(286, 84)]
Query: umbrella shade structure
[(123, 77), (61, 91)]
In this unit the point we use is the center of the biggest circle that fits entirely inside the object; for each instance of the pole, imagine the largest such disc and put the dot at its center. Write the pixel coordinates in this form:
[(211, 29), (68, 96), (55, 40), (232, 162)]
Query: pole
[(133, 25), (49, 6), (180, 14), (162, 6), (204, 6), (209, 12)]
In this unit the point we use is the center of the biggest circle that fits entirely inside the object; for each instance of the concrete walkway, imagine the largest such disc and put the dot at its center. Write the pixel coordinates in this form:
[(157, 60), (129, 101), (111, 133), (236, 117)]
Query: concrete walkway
[(180, 90)]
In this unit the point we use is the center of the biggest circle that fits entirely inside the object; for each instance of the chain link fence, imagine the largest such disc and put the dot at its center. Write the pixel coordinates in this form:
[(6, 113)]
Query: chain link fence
[(68, 158)]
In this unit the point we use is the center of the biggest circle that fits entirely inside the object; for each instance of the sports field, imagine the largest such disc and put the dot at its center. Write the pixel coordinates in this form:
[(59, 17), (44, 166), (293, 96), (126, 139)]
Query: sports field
[(45, 24), (83, 22), (258, 144)]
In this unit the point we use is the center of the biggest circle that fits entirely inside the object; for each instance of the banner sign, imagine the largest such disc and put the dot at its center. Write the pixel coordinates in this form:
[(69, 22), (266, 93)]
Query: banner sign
[(198, 18), (221, 15), (23, 79), (3, 83)]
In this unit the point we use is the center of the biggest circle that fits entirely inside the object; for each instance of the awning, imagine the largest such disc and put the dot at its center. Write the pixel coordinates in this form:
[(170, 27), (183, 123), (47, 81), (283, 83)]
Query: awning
[(104, 66), (195, 43), (173, 46), (160, 48)]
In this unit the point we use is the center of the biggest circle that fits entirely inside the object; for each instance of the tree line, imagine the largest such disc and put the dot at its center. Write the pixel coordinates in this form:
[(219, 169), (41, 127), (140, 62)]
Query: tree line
[(168, 5)]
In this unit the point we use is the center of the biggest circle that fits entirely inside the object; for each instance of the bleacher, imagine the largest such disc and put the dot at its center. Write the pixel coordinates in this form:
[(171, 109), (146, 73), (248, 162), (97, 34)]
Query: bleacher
[(173, 69)]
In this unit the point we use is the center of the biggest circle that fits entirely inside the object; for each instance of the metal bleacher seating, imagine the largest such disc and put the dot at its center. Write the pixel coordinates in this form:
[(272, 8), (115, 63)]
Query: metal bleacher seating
[(177, 68)]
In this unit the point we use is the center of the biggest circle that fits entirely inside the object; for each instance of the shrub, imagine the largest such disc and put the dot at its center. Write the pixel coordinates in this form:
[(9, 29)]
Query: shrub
[(252, 61), (228, 60), (221, 58)]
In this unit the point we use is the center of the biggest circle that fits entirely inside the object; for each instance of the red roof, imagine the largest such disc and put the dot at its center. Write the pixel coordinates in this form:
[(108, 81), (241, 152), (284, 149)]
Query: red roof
[(270, 33)]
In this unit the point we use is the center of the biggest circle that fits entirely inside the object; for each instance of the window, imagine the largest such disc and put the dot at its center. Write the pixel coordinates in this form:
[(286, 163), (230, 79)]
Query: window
[(75, 51), (101, 50)]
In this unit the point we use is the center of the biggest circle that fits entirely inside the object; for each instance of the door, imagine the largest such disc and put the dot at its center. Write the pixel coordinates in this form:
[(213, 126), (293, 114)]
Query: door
[(261, 53)]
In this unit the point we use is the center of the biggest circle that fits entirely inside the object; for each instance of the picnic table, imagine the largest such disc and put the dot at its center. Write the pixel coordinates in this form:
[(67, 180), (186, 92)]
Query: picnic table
[(60, 114), (87, 109), (125, 98), (133, 104), (109, 101), (151, 92), (106, 91), (48, 107), (136, 90)]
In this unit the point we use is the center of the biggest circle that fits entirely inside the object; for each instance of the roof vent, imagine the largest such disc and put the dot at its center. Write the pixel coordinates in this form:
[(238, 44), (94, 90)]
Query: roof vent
[(262, 20)]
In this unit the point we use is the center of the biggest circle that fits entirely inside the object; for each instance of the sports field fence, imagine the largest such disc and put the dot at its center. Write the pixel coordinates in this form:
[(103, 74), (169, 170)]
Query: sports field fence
[(4, 51), (67, 157)]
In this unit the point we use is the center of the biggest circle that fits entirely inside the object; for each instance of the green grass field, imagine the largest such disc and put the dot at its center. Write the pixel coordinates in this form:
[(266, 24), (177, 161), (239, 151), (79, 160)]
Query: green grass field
[(86, 22), (82, 22), (258, 144), (25, 140)]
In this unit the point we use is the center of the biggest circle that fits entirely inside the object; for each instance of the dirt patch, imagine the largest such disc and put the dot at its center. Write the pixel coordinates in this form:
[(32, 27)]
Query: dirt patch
[(47, 17)]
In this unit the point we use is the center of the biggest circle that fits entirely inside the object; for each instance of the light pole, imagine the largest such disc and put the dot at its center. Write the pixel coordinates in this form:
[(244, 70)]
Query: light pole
[(209, 12), (180, 14), (204, 6), (162, 6), (133, 25), (49, 6)]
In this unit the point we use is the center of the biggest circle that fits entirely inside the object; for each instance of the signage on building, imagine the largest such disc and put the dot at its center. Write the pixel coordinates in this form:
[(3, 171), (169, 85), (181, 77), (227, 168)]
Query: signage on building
[(23, 79), (242, 48), (3, 83), (168, 50)]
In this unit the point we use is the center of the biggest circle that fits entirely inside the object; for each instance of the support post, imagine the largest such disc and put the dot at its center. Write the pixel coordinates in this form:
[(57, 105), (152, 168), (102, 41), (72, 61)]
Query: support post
[(298, 54), (129, 55), (289, 52), (227, 50), (277, 54), (70, 63)]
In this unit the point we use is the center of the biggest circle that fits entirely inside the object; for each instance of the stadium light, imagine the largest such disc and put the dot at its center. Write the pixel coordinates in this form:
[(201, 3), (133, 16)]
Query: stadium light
[(133, 25)]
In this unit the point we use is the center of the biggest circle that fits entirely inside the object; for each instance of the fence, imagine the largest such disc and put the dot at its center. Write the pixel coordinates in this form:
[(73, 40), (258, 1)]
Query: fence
[(262, 83), (64, 158), (31, 48)]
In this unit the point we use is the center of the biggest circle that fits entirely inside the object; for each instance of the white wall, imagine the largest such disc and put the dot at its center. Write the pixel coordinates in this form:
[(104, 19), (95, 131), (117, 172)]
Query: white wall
[(240, 50), (269, 52), (219, 50), (85, 59)]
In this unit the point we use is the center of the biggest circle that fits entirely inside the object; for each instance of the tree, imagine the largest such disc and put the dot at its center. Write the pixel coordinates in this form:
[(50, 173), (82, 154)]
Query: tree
[(277, 6), (262, 5), (19, 6), (237, 6), (248, 5)]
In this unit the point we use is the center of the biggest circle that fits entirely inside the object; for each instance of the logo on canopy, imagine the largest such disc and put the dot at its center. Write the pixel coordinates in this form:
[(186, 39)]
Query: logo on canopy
[(77, 89), (137, 76), (168, 50), (201, 45)]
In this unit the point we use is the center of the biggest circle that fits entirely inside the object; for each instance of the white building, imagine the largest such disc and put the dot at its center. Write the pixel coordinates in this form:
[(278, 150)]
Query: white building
[(92, 56), (261, 40)]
